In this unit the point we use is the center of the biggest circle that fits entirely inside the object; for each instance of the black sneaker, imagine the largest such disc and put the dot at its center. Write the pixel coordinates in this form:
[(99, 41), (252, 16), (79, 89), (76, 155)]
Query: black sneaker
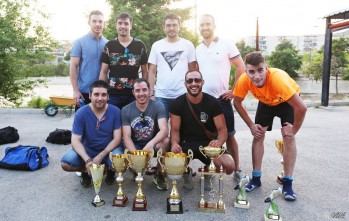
[(85, 180), (110, 178)]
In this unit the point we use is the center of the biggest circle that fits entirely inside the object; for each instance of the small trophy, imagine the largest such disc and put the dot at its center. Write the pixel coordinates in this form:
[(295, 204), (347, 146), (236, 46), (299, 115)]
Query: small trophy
[(174, 164), (139, 160), (241, 200), (272, 212), (280, 146), (120, 165), (212, 204), (97, 177)]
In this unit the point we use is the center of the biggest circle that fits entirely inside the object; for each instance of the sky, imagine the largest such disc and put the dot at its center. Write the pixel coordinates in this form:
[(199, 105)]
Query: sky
[(234, 19)]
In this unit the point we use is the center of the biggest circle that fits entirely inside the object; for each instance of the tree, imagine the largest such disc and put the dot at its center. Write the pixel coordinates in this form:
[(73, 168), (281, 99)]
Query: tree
[(23, 42), (147, 19), (312, 64), (244, 50), (339, 60), (286, 57)]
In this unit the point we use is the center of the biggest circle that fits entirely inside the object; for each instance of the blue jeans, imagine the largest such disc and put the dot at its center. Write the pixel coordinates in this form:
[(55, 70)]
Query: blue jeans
[(166, 102), (121, 101), (73, 159)]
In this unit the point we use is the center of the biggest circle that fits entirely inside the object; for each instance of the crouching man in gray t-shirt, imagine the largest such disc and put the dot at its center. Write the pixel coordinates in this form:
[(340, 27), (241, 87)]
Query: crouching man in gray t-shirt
[(144, 125)]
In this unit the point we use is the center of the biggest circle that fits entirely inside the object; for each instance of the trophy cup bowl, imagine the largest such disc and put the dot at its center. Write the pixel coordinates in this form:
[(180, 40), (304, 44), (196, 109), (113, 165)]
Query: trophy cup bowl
[(279, 144), (120, 165), (212, 153), (139, 160), (97, 172), (174, 164)]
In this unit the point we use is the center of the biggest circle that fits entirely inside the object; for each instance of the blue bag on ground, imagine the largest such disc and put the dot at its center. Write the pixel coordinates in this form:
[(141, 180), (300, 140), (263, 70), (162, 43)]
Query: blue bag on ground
[(24, 158)]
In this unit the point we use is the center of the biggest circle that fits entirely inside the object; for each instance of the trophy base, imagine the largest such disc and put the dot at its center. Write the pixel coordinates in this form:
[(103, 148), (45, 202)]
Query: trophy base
[(279, 179), (97, 204), (140, 205), (174, 207), (120, 202), (209, 208), (272, 218), (206, 171), (242, 205)]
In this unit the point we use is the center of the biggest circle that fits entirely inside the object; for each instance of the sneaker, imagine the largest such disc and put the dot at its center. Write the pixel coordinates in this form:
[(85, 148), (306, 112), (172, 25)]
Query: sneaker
[(78, 174), (160, 181), (85, 180), (287, 190), (188, 180), (238, 175), (253, 184), (110, 178), (207, 182)]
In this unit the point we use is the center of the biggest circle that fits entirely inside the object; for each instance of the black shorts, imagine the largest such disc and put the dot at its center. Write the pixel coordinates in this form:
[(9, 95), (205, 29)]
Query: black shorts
[(265, 114)]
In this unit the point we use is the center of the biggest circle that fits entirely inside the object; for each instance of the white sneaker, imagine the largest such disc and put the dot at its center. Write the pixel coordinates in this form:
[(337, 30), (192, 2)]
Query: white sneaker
[(238, 175), (78, 173)]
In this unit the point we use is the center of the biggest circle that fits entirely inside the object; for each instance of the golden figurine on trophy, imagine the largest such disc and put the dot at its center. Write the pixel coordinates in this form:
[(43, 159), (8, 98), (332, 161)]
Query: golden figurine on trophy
[(272, 212), (97, 172), (120, 164), (174, 164), (139, 160), (241, 200), (280, 147), (212, 204)]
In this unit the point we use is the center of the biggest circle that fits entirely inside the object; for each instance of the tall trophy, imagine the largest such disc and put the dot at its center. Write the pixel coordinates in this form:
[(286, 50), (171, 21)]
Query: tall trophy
[(97, 171), (139, 160), (272, 212), (280, 146), (174, 164), (241, 200), (212, 204), (120, 165)]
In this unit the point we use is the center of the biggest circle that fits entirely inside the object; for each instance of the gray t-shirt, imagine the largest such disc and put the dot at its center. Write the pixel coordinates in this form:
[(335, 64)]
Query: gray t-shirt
[(144, 125)]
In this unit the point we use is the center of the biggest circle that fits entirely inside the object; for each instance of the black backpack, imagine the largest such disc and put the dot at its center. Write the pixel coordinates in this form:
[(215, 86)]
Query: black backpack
[(8, 135), (59, 136)]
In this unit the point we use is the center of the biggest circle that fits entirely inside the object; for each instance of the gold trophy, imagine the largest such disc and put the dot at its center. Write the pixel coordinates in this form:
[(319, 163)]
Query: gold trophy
[(280, 146), (139, 160), (174, 164), (120, 165), (97, 172), (212, 204), (272, 212), (241, 200)]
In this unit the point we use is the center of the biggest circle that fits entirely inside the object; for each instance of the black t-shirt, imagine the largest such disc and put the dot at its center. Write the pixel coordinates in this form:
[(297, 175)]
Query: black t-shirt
[(206, 110), (124, 63)]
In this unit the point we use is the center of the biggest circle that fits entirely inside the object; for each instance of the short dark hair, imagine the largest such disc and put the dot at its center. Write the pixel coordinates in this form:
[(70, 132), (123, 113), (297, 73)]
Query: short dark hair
[(185, 77), (94, 12), (140, 80), (123, 15), (99, 83), (254, 58), (171, 16), (209, 15)]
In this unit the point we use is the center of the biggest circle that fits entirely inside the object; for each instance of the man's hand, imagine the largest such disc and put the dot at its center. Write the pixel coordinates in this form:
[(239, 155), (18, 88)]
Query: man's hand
[(257, 131), (227, 96), (176, 148), (215, 143), (287, 130), (77, 95)]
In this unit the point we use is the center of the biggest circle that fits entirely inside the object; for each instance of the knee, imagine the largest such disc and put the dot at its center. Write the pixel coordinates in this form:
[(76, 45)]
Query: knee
[(66, 167)]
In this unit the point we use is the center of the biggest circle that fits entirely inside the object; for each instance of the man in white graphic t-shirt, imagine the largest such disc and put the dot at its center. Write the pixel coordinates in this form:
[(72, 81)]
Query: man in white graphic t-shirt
[(170, 58)]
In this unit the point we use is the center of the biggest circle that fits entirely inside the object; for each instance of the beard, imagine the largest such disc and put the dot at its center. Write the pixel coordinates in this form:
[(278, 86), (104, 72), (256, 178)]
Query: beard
[(196, 94)]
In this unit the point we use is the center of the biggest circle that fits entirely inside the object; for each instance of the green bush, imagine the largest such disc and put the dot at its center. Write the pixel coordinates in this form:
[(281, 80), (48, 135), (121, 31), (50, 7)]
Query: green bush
[(38, 102)]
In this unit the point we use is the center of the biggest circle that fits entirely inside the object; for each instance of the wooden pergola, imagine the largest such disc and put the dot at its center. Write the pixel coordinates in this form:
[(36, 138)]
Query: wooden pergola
[(341, 22)]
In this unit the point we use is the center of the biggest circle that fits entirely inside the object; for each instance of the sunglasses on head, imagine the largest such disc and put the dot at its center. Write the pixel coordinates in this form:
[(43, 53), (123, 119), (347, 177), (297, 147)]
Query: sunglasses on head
[(196, 80)]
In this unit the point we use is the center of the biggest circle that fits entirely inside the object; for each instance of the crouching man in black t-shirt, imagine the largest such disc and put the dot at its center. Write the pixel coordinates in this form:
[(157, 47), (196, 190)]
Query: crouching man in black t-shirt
[(187, 133)]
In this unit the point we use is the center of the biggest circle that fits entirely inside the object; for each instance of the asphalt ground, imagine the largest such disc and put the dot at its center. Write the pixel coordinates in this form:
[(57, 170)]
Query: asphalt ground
[(321, 176)]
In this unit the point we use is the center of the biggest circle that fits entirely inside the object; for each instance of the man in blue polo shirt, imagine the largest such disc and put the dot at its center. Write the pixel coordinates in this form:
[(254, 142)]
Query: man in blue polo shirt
[(85, 58)]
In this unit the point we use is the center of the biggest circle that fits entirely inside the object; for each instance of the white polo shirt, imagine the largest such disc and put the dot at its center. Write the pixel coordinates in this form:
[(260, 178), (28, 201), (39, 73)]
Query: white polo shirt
[(214, 64)]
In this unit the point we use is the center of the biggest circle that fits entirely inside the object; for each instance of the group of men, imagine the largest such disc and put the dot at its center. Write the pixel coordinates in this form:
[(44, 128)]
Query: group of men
[(188, 86)]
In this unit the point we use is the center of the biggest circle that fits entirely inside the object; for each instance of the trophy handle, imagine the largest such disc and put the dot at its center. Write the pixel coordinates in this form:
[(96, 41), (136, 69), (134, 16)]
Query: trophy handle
[(222, 151), (201, 148), (190, 157), (159, 158), (127, 156), (111, 159), (150, 156)]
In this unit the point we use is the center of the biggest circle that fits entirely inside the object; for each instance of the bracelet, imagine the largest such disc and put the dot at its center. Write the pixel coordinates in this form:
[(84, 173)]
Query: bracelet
[(88, 160)]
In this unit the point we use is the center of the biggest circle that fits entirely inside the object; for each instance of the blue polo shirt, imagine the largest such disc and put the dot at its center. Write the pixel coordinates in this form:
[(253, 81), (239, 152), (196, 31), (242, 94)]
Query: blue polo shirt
[(89, 50)]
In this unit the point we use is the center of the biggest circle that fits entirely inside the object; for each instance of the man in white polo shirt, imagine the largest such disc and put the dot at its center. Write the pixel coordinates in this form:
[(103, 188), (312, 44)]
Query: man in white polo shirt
[(215, 57)]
